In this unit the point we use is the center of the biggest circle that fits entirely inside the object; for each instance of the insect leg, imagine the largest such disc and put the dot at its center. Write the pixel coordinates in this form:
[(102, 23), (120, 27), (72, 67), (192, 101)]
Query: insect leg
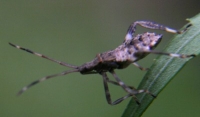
[(107, 93), (140, 67), (115, 83), (129, 95), (139, 91), (168, 54), (45, 78), (43, 56), (131, 92), (107, 79), (123, 98), (151, 25), (124, 86)]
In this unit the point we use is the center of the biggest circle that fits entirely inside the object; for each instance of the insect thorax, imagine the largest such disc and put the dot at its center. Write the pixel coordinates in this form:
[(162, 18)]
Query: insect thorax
[(130, 50)]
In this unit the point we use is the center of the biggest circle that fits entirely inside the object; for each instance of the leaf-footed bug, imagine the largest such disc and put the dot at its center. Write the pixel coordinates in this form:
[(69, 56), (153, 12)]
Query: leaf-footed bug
[(129, 52)]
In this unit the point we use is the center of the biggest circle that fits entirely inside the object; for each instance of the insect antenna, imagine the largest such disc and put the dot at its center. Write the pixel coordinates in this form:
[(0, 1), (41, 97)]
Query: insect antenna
[(45, 78), (43, 56)]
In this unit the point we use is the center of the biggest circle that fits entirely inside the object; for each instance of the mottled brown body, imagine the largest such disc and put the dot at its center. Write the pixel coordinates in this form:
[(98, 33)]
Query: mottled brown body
[(124, 55), (129, 52)]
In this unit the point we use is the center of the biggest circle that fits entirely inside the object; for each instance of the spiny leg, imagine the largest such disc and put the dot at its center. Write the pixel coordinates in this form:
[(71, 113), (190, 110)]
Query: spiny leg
[(108, 80), (132, 92), (124, 86), (140, 67), (45, 78), (138, 91), (43, 56), (151, 25), (165, 53), (116, 83), (135, 98), (125, 97), (107, 93)]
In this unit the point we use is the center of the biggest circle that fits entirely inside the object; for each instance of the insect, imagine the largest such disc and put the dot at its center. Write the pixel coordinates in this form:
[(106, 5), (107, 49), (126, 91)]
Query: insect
[(129, 52)]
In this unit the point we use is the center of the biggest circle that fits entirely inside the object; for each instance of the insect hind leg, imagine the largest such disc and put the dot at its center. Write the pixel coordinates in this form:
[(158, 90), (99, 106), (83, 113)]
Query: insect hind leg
[(108, 96), (132, 92), (107, 92)]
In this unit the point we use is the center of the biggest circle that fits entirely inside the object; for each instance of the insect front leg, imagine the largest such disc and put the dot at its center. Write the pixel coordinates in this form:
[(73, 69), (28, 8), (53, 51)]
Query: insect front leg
[(151, 25), (165, 53)]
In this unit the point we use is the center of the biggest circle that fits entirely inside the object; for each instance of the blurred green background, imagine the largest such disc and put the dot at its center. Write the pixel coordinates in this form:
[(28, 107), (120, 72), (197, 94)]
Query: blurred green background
[(74, 32)]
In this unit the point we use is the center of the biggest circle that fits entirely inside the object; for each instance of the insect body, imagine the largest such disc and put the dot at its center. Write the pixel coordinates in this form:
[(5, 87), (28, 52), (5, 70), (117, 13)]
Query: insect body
[(129, 52)]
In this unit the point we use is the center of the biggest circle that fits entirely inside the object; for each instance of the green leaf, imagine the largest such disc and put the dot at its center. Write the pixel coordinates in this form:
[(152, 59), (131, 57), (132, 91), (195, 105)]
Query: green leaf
[(165, 67)]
